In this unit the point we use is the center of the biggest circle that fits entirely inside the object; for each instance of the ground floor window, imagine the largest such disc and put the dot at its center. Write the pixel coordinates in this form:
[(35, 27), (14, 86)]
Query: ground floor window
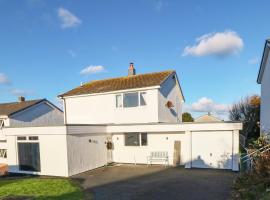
[(29, 156), (3, 153), (136, 139)]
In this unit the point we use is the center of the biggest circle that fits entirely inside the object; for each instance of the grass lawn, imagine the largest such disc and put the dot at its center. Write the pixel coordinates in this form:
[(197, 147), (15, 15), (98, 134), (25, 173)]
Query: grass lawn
[(41, 189)]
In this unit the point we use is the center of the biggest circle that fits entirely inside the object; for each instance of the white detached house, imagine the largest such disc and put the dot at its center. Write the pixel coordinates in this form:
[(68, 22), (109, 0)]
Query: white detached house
[(124, 120), (264, 80), (146, 98)]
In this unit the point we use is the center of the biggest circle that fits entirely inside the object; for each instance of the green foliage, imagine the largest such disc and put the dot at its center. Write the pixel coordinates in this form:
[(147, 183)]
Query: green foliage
[(40, 189), (255, 184), (248, 112), (187, 117), (258, 143)]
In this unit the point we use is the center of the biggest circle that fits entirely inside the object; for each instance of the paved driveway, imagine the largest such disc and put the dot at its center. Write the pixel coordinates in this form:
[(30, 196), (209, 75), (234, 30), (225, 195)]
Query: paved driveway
[(156, 182)]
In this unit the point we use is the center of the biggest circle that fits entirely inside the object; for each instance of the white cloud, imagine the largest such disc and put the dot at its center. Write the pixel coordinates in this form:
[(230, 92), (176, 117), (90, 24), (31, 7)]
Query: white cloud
[(20, 92), (254, 61), (158, 5), (4, 79), (218, 44), (68, 19), (115, 48), (206, 104), (92, 69), (72, 53)]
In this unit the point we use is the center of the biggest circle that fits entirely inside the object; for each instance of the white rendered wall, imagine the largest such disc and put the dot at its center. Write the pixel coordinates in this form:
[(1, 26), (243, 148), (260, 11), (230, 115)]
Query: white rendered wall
[(156, 142), (170, 91), (101, 109), (84, 155), (53, 149), (265, 99)]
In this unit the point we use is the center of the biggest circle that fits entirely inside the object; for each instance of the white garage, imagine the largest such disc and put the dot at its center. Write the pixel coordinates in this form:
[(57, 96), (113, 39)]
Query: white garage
[(212, 149)]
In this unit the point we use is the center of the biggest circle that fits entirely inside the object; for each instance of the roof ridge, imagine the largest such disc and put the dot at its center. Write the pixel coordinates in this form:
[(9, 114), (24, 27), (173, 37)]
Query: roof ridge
[(89, 82), (17, 102)]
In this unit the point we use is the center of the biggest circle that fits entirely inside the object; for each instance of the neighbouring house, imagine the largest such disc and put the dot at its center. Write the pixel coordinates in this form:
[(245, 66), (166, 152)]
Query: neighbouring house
[(207, 118), (123, 120), (264, 80), (24, 113)]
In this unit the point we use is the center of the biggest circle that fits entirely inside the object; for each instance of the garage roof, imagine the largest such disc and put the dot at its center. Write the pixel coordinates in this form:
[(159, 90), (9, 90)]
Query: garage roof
[(8, 109)]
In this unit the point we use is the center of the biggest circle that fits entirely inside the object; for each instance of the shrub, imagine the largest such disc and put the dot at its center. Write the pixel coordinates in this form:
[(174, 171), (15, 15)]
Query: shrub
[(255, 184)]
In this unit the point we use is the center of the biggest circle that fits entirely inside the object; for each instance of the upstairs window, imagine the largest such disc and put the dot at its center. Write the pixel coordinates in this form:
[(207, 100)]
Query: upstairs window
[(131, 100), (119, 101), (142, 98)]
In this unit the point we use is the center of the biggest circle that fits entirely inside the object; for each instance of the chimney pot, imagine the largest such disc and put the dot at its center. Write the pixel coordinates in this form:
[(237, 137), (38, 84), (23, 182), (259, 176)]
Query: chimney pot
[(21, 99), (131, 70)]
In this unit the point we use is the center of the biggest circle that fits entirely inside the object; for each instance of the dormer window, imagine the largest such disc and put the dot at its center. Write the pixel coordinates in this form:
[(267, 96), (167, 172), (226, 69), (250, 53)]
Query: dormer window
[(130, 99)]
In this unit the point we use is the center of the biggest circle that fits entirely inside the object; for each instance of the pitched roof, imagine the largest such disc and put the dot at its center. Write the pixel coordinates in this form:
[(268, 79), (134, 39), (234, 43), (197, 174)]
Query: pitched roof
[(207, 118), (121, 83), (14, 107), (263, 61)]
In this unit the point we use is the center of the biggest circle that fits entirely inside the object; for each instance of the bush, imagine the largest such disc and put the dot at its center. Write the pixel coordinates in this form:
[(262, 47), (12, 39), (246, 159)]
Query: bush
[(255, 184)]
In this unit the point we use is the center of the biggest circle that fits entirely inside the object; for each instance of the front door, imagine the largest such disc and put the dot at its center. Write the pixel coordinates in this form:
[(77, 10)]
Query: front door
[(177, 153)]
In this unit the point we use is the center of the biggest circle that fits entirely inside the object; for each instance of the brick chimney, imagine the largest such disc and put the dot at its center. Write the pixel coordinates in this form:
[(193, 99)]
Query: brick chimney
[(21, 99), (131, 70)]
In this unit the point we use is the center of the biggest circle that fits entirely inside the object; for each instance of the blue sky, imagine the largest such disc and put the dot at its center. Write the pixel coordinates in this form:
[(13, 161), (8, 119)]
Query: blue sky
[(214, 46)]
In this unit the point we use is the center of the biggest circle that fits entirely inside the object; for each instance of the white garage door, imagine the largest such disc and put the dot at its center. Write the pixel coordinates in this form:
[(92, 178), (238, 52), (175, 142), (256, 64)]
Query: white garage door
[(212, 149)]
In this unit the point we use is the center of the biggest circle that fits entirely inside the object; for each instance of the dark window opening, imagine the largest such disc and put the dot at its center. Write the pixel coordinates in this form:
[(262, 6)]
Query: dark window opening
[(144, 139), (136, 139), (132, 139), (29, 157), (33, 137), (21, 138)]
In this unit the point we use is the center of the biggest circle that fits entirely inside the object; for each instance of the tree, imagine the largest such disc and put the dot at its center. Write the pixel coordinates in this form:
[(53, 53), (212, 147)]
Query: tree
[(247, 110), (186, 117)]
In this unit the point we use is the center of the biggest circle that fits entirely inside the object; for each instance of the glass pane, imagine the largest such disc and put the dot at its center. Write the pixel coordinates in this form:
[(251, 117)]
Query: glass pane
[(118, 101), (144, 139), (21, 138), (3, 153), (33, 138), (131, 99), (142, 98), (29, 156), (132, 139)]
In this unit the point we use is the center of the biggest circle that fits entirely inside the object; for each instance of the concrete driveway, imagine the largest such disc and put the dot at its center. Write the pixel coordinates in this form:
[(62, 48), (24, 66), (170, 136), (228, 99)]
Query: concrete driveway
[(156, 182)]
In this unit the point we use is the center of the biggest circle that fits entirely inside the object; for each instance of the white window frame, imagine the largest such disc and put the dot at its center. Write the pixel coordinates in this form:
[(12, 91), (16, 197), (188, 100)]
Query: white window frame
[(140, 140), (119, 94), (122, 98)]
